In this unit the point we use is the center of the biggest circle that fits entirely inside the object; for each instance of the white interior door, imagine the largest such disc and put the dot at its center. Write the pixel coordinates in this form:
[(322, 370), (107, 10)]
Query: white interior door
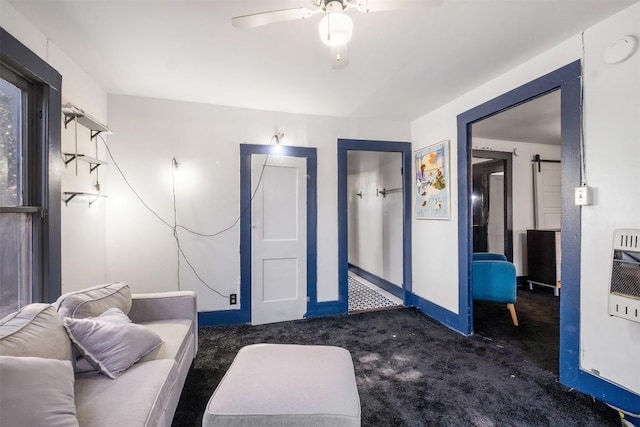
[(495, 226), (279, 239), (548, 195)]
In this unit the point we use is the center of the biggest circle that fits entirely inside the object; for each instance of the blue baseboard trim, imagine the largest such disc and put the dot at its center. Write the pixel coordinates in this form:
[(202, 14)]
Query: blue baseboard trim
[(327, 308), (221, 318), (599, 388), (393, 289), (237, 317), (437, 313)]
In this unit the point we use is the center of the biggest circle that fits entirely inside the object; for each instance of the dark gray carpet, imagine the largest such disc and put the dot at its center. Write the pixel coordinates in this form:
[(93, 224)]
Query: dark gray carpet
[(412, 371)]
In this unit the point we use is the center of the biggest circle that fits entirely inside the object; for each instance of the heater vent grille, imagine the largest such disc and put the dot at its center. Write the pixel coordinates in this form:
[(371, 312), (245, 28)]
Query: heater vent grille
[(624, 291), (628, 241), (625, 275)]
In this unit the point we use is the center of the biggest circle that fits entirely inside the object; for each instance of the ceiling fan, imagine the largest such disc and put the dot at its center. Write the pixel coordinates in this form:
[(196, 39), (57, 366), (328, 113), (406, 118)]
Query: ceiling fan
[(336, 27)]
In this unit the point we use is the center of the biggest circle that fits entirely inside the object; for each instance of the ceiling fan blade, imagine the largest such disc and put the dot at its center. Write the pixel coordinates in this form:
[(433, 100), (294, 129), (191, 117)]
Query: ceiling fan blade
[(339, 57), (264, 18), (382, 5)]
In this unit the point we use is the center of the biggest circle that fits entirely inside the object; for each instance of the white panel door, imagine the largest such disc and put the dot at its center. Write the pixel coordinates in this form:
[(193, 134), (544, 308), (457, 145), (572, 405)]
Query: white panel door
[(495, 226), (548, 195), (279, 239)]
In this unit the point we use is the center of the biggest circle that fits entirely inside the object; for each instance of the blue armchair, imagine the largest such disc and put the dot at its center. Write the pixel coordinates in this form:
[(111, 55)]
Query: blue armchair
[(495, 280)]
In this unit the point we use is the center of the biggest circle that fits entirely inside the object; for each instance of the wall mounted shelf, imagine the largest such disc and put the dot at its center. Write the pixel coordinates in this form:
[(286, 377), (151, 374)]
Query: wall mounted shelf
[(72, 112), (79, 117), (91, 197), (92, 161)]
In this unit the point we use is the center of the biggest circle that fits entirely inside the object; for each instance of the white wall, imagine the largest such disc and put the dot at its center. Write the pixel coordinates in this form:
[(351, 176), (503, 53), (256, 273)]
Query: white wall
[(612, 128), (83, 244), (522, 189), (375, 222), (392, 233), (612, 108), (364, 219), (205, 139)]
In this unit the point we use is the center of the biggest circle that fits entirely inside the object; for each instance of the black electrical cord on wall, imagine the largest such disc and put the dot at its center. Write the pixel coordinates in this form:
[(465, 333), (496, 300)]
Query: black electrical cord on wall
[(175, 225)]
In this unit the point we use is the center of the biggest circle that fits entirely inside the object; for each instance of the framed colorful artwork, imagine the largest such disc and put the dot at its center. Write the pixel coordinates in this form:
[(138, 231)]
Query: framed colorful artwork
[(432, 200)]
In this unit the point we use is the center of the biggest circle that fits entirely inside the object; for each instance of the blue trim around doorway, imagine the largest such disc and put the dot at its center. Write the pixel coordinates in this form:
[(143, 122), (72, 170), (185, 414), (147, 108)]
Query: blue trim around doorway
[(243, 315), (344, 146), (536, 88), (568, 79)]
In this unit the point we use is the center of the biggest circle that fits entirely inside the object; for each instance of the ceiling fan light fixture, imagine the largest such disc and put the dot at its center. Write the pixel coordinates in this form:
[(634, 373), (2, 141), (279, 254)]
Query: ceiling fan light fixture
[(336, 29)]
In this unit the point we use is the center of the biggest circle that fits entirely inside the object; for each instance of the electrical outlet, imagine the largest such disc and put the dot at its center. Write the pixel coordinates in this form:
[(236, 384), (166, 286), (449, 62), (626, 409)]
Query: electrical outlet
[(233, 299)]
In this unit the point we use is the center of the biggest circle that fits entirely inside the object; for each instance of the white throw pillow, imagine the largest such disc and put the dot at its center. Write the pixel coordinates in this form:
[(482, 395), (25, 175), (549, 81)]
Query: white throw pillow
[(36, 391), (94, 301), (81, 365), (36, 331), (110, 342)]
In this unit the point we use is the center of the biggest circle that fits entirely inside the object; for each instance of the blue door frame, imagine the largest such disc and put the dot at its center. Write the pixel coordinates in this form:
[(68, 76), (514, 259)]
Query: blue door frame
[(568, 80), (404, 148)]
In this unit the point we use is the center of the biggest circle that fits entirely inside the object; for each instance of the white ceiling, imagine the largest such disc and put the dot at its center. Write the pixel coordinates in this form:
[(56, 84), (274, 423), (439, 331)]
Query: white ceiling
[(402, 64), (364, 161), (537, 121)]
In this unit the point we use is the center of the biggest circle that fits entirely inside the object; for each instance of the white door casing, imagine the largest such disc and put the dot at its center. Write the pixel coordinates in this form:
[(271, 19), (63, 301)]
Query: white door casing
[(278, 239)]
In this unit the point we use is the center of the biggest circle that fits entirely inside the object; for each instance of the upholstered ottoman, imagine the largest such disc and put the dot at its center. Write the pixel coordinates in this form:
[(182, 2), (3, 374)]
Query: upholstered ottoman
[(286, 385)]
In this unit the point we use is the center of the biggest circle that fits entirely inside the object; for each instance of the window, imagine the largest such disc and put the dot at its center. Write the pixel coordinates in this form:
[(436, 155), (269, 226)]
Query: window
[(15, 226), (29, 188)]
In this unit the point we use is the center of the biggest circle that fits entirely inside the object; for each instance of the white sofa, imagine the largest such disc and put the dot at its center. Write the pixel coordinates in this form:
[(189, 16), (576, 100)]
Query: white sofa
[(55, 372)]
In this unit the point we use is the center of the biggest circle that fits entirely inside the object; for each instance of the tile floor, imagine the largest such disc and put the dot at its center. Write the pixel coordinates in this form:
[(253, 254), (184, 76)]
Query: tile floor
[(365, 296)]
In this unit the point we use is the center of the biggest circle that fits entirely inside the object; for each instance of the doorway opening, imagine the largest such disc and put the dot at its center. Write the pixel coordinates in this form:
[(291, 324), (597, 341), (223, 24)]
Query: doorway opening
[(374, 227), (568, 80), (505, 148)]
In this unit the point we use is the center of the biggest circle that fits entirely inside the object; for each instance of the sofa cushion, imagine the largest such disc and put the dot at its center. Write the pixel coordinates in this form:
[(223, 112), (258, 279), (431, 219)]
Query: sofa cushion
[(175, 335), (137, 398), (110, 342), (94, 301), (35, 330), (36, 391)]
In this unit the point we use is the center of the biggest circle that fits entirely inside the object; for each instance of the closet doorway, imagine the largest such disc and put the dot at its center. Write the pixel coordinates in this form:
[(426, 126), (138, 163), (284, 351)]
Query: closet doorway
[(374, 256), (374, 230)]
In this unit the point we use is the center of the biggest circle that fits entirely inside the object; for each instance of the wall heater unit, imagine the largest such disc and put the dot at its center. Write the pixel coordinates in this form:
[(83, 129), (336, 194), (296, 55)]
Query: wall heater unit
[(624, 295)]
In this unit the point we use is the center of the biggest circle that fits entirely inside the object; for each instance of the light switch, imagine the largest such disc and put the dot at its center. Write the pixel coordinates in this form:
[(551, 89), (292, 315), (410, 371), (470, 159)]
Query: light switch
[(583, 196)]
